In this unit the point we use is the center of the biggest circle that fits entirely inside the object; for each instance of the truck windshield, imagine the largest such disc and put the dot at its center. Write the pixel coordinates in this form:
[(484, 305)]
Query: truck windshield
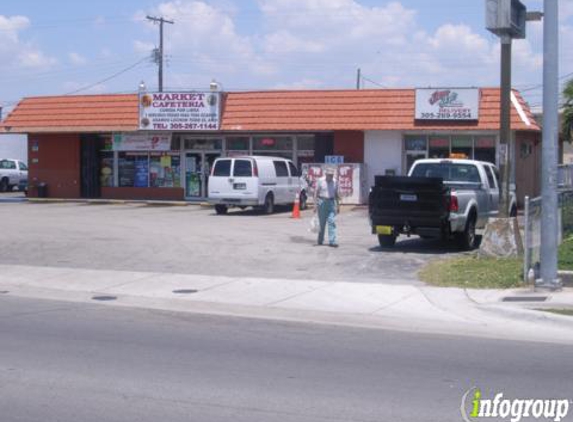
[(449, 172)]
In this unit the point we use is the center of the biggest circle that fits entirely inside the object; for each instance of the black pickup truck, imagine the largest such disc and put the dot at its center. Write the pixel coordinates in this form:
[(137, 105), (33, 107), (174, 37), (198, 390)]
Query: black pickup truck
[(409, 205)]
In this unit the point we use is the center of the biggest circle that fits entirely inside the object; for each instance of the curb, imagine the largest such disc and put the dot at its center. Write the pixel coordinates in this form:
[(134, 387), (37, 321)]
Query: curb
[(528, 314), (113, 202)]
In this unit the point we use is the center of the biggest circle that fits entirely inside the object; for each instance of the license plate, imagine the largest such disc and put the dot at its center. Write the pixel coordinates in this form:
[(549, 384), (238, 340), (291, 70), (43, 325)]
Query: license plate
[(408, 198), (240, 186), (387, 230)]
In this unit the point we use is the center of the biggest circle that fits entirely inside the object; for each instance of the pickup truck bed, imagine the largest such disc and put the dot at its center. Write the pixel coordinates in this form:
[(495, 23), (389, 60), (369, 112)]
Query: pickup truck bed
[(409, 205)]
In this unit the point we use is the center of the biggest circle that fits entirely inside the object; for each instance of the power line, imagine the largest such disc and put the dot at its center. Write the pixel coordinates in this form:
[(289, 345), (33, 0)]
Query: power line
[(364, 78), (115, 75)]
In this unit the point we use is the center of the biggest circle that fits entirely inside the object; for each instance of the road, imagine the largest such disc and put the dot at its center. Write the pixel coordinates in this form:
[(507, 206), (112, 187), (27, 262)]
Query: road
[(76, 362)]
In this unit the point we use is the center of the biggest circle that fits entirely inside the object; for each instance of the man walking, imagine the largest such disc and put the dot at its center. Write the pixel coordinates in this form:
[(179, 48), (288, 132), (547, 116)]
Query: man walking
[(327, 204)]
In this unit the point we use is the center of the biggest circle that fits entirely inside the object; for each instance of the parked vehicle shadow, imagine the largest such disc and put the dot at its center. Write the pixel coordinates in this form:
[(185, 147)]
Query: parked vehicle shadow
[(418, 245), (250, 212)]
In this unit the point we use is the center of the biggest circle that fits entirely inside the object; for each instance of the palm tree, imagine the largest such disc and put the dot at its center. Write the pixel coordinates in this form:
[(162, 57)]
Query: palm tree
[(567, 127)]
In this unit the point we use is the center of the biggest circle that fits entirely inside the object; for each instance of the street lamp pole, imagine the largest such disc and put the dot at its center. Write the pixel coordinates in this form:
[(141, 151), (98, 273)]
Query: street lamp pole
[(549, 213)]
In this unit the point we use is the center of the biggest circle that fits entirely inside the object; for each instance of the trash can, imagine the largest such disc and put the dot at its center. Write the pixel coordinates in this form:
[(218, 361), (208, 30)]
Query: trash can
[(42, 190)]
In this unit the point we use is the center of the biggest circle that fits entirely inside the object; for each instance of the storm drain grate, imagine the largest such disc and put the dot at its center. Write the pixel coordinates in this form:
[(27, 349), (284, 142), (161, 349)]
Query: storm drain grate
[(185, 291), (524, 299), (104, 298)]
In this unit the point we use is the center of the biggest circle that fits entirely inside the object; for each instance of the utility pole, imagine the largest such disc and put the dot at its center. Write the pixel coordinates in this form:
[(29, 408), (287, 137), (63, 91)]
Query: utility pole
[(358, 78), (549, 212), (505, 125), (159, 57)]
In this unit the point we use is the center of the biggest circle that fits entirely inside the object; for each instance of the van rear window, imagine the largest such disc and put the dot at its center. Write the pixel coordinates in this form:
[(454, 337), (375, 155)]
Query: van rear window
[(222, 168), (243, 168)]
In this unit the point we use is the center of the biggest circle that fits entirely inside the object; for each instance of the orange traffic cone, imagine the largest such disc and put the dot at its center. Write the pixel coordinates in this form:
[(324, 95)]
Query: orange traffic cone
[(296, 206)]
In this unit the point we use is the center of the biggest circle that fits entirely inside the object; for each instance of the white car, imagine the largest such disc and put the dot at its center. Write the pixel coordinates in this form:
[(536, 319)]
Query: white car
[(254, 181), (13, 173)]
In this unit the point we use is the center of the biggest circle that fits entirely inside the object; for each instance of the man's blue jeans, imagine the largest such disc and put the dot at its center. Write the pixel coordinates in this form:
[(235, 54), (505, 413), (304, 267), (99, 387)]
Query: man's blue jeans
[(327, 214)]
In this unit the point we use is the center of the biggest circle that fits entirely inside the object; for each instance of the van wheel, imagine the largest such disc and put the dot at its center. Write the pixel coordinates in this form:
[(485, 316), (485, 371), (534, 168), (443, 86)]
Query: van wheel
[(303, 201), (269, 206), (221, 209), (386, 241), (468, 239), (4, 185)]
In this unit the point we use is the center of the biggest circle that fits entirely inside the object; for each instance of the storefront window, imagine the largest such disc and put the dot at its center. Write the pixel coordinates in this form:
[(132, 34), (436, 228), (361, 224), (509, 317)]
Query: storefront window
[(203, 144), (273, 143), (238, 144), (106, 169), (439, 147), (175, 143), (463, 145), (141, 171), (107, 143), (126, 169), (165, 170), (305, 149), (416, 143), (416, 149), (305, 143), (485, 149)]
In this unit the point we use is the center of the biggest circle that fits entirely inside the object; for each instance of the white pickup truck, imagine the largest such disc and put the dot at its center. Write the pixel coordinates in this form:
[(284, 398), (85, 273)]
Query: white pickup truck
[(13, 173), (440, 198)]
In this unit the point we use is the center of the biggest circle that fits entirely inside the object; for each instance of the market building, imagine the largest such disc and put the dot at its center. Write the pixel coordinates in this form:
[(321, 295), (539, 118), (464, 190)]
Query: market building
[(161, 145)]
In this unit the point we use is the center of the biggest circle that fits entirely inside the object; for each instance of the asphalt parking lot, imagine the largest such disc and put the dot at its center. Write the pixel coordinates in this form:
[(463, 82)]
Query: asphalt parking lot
[(194, 240)]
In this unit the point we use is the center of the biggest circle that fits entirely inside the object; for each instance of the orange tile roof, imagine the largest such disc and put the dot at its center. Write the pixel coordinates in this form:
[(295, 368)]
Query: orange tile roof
[(388, 109), (81, 113)]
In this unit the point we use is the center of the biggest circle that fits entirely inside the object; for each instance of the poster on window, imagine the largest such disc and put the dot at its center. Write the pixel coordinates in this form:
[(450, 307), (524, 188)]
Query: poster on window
[(141, 142), (345, 180), (141, 172), (310, 174)]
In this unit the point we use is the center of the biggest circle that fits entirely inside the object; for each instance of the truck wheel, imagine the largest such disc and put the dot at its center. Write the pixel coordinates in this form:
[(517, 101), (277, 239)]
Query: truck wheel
[(269, 206), (467, 240), (386, 241), (221, 209), (4, 185)]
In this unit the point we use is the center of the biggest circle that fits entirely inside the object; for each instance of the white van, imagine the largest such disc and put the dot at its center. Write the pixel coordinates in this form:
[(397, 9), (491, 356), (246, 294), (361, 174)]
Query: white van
[(255, 181)]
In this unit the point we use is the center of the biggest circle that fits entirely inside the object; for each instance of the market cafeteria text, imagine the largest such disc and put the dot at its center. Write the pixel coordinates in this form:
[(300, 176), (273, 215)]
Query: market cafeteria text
[(188, 100)]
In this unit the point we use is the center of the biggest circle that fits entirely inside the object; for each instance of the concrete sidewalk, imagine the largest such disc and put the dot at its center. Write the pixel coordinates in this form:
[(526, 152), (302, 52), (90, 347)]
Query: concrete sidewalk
[(479, 313)]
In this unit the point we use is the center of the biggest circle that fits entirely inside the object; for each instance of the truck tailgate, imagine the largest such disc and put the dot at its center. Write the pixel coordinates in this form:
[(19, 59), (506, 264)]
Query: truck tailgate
[(396, 201)]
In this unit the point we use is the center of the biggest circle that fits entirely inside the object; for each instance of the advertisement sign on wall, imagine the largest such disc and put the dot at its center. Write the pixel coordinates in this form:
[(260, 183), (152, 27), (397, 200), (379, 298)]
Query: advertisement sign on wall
[(173, 111), (447, 104), (141, 142)]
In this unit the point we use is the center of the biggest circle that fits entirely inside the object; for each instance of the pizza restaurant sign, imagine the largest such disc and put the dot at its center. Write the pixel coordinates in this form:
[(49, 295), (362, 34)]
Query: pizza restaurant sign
[(447, 104), (172, 111)]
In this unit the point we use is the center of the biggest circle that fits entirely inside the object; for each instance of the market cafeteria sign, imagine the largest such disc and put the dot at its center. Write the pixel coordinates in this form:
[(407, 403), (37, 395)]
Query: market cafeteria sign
[(187, 111), (447, 104), (141, 142)]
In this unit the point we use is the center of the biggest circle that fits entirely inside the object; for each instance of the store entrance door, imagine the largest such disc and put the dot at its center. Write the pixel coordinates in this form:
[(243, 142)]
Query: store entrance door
[(197, 169)]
